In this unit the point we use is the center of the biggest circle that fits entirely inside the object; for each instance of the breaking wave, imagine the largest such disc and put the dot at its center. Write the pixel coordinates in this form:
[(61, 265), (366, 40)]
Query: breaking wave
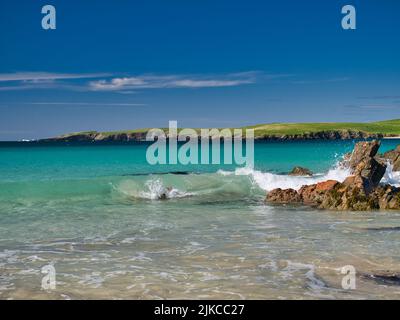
[(391, 177), (240, 183), (269, 181)]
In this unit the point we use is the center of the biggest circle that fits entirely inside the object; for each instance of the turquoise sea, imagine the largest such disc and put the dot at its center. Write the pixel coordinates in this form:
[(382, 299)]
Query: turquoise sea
[(94, 212)]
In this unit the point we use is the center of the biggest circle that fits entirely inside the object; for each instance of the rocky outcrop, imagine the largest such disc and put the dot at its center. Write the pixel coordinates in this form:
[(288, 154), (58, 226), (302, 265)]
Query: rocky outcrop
[(360, 191), (95, 136), (367, 171), (323, 135), (300, 171), (363, 151), (284, 196), (314, 193), (92, 136)]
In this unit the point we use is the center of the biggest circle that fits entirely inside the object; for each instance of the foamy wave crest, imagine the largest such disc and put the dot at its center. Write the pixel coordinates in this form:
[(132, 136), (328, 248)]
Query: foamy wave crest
[(152, 189), (391, 177), (156, 190), (243, 183), (206, 186), (269, 181)]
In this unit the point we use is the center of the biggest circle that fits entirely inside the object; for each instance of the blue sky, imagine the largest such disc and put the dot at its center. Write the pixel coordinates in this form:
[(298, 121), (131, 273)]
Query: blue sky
[(113, 65)]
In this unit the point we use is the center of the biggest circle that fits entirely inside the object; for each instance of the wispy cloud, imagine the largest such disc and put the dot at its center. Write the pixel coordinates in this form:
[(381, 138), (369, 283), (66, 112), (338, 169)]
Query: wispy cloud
[(41, 85), (329, 80), (372, 107), (95, 104), (45, 80), (45, 76), (376, 107), (383, 97), (173, 81), (127, 83)]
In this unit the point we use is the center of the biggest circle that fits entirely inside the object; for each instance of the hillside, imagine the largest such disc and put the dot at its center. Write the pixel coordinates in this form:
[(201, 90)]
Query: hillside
[(386, 128), (274, 131)]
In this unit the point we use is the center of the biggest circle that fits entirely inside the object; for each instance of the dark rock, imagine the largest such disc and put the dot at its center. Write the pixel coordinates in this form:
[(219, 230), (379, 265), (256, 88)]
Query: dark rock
[(340, 196), (371, 171), (362, 151), (315, 193), (354, 181), (383, 277), (283, 196), (388, 197), (300, 171), (360, 191), (383, 229), (365, 167), (344, 197)]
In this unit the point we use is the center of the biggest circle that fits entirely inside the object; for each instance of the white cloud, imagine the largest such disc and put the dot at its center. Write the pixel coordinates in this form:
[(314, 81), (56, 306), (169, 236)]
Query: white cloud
[(173, 81), (126, 84), (43, 76), (97, 104), (44, 80), (318, 81)]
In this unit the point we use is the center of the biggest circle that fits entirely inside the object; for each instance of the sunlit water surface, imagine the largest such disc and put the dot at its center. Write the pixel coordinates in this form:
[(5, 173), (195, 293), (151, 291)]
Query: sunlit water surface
[(94, 213)]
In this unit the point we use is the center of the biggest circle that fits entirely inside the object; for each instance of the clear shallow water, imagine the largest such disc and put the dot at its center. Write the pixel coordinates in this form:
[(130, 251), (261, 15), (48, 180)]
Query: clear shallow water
[(93, 212)]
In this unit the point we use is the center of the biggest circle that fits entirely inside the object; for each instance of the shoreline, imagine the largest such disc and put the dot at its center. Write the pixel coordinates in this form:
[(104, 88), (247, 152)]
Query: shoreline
[(388, 129), (74, 140)]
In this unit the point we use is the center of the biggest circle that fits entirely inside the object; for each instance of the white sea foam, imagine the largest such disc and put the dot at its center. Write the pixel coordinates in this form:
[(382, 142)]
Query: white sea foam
[(157, 190), (391, 177), (152, 189), (243, 182), (269, 181)]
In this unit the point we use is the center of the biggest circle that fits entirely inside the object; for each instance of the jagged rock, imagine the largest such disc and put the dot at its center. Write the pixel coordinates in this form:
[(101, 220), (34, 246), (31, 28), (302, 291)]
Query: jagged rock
[(300, 171), (362, 151), (355, 181), (388, 197), (360, 191), (396, 165), (364, 166), (283, 196), (339, 196), (371, 171), (314, 194), (348, 198)]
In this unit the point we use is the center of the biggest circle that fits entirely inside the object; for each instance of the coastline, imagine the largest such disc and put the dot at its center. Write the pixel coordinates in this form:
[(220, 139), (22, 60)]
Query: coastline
[(389, 129), (140, 137)]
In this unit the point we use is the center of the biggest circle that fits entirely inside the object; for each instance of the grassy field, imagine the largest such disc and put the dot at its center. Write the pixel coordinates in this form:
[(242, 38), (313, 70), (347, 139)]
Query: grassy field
[(388, 128)]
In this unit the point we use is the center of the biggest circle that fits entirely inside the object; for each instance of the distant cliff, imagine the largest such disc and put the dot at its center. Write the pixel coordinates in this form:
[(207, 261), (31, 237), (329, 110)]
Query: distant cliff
[(323, 135), (272, 131), (98, 136), (141, 136)]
